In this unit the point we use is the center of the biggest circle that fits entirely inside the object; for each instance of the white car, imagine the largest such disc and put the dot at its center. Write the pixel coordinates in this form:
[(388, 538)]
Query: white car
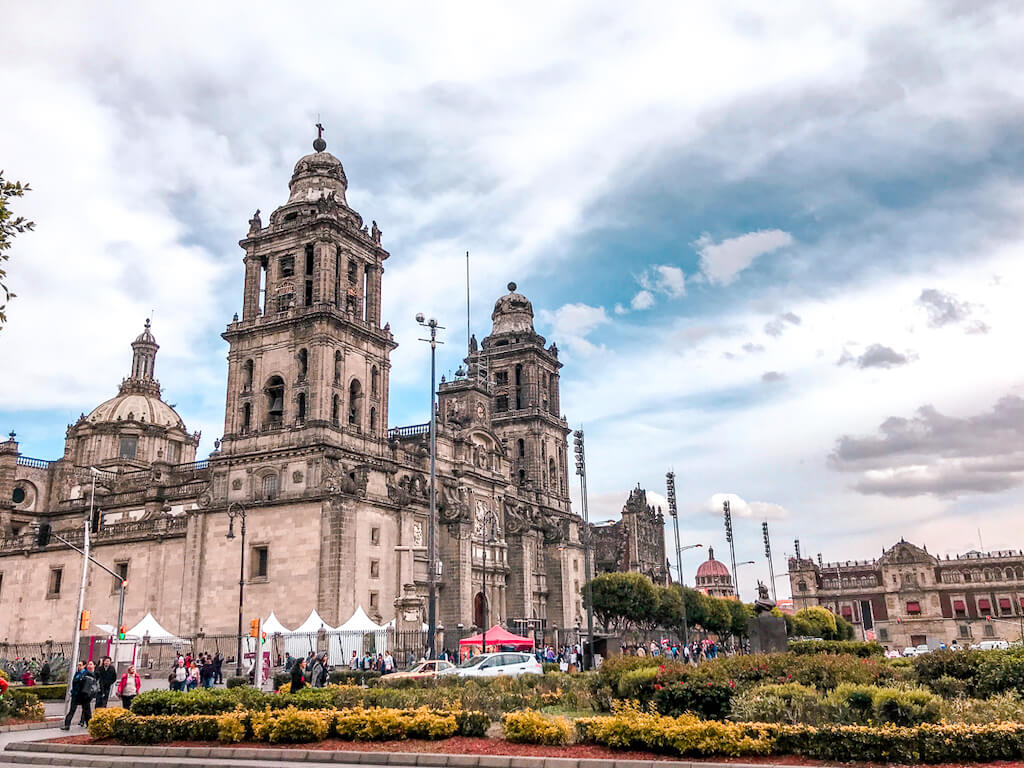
[(993, 645), (498, 664), (922, 649), (910, 650)]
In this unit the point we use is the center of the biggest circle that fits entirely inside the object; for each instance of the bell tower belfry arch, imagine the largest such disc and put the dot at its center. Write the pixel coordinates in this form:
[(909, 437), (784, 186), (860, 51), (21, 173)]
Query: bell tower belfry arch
[(308, 354)]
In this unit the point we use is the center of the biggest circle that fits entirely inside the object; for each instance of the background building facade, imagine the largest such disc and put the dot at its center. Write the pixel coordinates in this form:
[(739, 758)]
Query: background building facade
[(911, 597)]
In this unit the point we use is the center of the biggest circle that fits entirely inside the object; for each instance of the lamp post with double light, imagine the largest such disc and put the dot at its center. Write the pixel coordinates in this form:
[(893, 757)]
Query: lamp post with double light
[(238, 510), (579, 449)]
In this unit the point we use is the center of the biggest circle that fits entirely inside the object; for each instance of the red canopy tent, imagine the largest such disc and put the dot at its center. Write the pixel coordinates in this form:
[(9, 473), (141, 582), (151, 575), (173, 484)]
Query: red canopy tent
[(497, 637)]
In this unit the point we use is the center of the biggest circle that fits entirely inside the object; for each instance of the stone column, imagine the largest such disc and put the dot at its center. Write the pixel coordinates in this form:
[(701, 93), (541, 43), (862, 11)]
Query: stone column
[(251, 293)]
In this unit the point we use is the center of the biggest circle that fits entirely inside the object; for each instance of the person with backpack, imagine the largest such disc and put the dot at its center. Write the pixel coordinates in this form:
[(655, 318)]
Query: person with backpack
[(129, 687), (84, 688)]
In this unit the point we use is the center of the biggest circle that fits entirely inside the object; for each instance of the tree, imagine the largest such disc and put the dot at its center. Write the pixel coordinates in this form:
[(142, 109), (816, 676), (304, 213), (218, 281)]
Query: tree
[(9, 227), (741, 613), (844, 629), (670, 609), (718, 618), (622, 600), (815, 622)]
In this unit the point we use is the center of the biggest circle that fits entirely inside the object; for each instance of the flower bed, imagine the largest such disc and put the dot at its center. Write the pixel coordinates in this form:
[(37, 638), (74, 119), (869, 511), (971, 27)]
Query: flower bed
[(631, 728), (287, 725)]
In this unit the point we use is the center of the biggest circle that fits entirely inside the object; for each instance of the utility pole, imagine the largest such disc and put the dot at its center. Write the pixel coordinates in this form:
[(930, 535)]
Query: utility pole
[(432, 325), (581, 470), (768, 554), (727, 512)]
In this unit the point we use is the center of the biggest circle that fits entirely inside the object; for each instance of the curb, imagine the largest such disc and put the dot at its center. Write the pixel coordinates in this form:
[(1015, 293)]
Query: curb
[(86, 754), (29, 726)]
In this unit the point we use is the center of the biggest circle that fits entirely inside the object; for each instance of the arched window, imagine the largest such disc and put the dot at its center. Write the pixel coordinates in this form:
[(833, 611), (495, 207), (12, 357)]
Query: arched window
[(301, 403), (355, 395), (1020, 572), (374, 376), (522, 477), (303, 358), (247, 368), (521, 448), (519, 387), (335, 409), (269, 486), (552, 472), (373, 421), (274, 392), (1009, 574), (246, 417), (337, 366)]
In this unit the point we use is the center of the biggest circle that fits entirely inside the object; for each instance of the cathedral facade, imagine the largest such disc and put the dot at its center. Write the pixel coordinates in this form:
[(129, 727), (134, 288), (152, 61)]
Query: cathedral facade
[(336, 503)]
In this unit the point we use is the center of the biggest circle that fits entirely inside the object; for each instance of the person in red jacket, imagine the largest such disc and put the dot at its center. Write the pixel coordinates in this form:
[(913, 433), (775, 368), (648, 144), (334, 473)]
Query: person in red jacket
[(3, 686), (129, 687)]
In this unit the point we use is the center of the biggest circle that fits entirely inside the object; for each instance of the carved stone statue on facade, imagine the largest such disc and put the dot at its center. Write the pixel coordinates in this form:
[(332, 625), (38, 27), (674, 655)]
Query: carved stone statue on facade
[(375, 233), (255, 223)]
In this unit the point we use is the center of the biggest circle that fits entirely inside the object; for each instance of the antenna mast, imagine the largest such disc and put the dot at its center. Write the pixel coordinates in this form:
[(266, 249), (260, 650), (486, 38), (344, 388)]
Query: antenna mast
[(467, 304)]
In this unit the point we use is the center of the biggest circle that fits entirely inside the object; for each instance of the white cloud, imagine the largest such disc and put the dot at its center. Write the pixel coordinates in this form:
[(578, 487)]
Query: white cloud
[(643, 300), (620, 310), (572, 323), (664, 279), (739, 508), (722, 262)]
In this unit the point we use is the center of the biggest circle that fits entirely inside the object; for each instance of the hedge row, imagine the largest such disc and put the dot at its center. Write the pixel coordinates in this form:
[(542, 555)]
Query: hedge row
[(337, 676), (835, 647), (630, 728), (493, 696), (971, 673), (287, 725)]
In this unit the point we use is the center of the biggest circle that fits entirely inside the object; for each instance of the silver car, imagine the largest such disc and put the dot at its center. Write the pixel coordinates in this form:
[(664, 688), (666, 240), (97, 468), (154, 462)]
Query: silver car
[(499, 664)]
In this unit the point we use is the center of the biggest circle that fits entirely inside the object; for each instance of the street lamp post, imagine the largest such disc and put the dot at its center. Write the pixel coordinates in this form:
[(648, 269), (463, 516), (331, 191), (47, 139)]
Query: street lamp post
[(736, 586), (81, 592), (768, 554), (581, 470), (485, 540), (238, 510), (727, 514), (432, 325)]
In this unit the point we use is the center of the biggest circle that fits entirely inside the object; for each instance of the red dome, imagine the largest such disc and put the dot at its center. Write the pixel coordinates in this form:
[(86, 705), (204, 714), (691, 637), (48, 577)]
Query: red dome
[(711, 567)]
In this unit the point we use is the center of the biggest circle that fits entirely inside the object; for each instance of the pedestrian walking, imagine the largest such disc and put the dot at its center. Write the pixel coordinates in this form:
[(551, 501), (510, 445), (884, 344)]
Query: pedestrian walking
[(207, 672), (218, 667), (129, 687), (179, 675), (106, 674), (84, 689), (298, 676)]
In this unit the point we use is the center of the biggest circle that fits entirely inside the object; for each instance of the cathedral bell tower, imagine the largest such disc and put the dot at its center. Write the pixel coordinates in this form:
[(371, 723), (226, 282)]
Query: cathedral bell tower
[(523, 379), (309, 360)]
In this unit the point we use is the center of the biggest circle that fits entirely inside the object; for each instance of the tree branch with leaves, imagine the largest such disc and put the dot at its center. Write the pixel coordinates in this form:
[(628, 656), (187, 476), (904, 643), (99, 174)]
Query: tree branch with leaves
[(10, 226)]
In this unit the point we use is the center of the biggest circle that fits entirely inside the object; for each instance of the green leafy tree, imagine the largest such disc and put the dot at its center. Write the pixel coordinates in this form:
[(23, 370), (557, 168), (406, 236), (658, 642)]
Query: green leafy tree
[(670, 609), (623, 600), (718, 617), (741, 613), (815, 622), (10, 226), (844, 629)]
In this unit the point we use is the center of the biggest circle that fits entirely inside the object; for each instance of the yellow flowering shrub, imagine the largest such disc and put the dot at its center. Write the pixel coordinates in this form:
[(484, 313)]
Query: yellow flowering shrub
[(101, 724), (231, 726), (531, 727)]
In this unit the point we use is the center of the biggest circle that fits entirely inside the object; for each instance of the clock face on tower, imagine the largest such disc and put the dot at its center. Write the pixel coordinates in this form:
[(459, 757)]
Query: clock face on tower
[(480, 411)]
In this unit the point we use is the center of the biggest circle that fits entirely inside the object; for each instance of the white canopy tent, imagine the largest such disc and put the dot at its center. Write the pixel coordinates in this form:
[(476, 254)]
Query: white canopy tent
[(272, 626), (301, 640), (151, 627), (352, 636)]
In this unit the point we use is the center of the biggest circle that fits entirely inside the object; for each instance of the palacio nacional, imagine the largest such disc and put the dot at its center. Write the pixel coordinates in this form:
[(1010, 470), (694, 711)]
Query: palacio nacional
[(336, 502)]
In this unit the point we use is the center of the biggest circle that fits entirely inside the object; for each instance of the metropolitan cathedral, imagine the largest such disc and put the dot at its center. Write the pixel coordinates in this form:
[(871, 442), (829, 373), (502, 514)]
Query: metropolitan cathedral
[(335, 502)]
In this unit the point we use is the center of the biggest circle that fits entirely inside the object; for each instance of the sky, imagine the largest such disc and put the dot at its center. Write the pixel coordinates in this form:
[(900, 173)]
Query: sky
[(779, 246)]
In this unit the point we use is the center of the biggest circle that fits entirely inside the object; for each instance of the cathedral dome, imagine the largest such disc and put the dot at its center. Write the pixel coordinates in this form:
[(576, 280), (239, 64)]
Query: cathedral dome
[(136, 406), (513, 313), (712, 568), (316, 175)]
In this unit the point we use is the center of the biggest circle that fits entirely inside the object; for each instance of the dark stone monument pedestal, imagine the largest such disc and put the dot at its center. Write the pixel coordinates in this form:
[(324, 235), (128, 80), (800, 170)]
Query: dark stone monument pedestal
[(767, 634)]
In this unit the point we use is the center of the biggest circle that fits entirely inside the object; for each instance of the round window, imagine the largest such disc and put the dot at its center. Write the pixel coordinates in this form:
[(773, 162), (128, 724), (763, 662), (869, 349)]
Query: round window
[(18, 496)]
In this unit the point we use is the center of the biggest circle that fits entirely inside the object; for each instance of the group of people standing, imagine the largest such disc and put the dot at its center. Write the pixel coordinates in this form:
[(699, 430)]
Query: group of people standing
[(91, 686), (312, 671), (204, 670)]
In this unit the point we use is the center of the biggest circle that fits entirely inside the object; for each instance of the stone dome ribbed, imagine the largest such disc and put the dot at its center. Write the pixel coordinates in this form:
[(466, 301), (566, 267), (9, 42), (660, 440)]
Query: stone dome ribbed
[(136, 406), (513, 313)]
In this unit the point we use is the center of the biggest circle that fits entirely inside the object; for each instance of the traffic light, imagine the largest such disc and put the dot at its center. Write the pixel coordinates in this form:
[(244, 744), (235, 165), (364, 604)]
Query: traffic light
[(83, 623), (122, 632), (254, 628), (263, 637)]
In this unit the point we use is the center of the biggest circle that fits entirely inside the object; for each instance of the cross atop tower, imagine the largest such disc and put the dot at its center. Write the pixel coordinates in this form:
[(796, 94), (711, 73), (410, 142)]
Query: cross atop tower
[(319, 144)]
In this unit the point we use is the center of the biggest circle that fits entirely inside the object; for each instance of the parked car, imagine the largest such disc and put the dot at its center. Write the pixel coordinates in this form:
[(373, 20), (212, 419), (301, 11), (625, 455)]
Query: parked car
[(892, 654), (497, 664), (922, 648), (421, 671), (910, 650), (993, 645)]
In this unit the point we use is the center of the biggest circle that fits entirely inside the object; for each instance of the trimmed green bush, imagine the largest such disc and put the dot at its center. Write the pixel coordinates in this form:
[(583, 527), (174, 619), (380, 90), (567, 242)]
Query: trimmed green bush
[(710, 700), (236, 682), (836, 647), (530, 727)]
